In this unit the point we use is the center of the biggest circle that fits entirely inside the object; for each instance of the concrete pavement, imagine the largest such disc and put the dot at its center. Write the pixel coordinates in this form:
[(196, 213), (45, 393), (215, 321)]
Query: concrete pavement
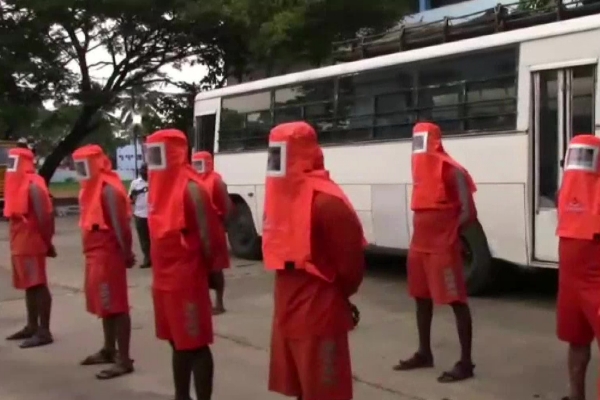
[(515, 349)]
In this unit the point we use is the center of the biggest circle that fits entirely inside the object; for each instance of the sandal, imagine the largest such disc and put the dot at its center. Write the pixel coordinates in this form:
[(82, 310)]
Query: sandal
[(24, 333), (459, 372), (115, 371), (218, 310), (417, 361), (37, 340), (102, 357)]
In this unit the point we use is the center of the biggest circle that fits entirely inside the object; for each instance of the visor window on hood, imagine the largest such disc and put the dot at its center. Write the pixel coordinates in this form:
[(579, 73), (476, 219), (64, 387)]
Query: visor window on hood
[(276, 161), (12, 163), (198, 166), (419, 142), (581, 157), (155, 156), (82, 168)]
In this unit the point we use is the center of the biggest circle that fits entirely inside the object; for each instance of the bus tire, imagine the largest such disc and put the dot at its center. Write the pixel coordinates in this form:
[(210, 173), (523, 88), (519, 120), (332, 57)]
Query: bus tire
[(243, 238), (479, 268)]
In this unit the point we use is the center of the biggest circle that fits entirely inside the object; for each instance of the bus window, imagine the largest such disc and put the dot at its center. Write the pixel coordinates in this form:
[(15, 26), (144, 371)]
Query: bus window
[(245, 121), (476, 92)]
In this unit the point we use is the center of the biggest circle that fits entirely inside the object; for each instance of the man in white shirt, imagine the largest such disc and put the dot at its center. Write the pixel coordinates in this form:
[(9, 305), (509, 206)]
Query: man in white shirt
[(138, 193)]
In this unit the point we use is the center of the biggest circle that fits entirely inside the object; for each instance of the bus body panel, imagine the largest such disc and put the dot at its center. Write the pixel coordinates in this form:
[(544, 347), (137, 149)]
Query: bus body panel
[(517, 212)]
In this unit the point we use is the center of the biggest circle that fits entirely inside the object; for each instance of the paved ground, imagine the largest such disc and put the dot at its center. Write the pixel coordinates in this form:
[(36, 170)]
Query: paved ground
[(515, 349)]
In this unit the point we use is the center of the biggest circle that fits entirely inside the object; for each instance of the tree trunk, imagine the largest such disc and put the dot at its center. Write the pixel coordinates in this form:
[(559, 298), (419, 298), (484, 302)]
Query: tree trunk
[(66, 146)]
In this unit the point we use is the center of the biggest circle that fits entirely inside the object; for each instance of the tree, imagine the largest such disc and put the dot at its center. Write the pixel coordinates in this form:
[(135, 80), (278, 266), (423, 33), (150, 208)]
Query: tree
[(139, 37), (52, 126), (30, 69), (262, 33)]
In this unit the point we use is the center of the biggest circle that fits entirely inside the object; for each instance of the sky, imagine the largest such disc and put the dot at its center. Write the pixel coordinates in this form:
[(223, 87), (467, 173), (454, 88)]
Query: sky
[(187, 74)]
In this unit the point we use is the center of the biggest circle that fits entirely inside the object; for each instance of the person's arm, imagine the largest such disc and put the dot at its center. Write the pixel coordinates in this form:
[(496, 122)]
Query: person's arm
[(226, 201), (45, 218), (118, 218), (202, 209), (132, 193), (464, 195), (340, 227)]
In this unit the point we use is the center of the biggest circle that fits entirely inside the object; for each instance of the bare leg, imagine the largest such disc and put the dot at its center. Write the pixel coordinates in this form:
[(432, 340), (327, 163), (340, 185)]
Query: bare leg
[(123, 336), (44, 299), (218, 284), (182, 363), (423, 358), (109, 327), (41, 304), (124, 363), (203, 369), (464, 326), (463, 369), (32, 318), (107, 355), (33, 314), (578, 360)]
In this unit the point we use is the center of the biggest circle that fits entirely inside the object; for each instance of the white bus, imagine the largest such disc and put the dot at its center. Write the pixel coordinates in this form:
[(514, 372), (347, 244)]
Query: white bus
[(508, 104)]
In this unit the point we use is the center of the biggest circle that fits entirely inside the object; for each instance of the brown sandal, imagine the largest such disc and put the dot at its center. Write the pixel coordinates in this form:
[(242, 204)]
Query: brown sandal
[(459, 372), (101, 357), (417, 361), (115, 371), (24, 333)]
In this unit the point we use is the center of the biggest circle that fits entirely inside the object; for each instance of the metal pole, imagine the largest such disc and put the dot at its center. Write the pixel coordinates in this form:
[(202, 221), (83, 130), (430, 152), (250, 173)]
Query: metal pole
[(134, 133)]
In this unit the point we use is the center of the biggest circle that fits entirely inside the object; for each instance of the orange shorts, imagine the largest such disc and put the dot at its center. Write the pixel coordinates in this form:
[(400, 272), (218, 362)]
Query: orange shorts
[(437, 276), (29, 271), (106, 285), (314, 368), (578, 300), (185, 319)]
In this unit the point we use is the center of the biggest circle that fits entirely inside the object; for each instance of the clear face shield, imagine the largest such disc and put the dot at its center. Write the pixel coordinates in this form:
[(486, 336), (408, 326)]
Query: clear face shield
[(419, 142), (155, 156), (199, 166), (582, 157), (82, 169), (12, 164), (276, 159)]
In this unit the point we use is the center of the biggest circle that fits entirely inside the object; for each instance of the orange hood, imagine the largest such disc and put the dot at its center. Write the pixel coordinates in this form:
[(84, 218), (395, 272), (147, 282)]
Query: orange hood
[(19, 175), (169, 172), (94, 169)]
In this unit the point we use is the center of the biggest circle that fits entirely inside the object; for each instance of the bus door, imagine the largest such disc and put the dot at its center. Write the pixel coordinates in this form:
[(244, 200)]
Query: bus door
[(563, 106)]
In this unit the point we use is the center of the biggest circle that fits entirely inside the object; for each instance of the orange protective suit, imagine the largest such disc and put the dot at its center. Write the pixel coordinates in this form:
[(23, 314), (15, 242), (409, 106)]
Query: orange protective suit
[(29, 209), (579, 244), (203, 164), (442, 202), (181, 218), (313, 239), (105, 215)]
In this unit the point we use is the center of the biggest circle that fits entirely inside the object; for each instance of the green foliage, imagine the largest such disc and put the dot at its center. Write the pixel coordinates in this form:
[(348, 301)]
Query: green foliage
[(262, 32), (38, 38)]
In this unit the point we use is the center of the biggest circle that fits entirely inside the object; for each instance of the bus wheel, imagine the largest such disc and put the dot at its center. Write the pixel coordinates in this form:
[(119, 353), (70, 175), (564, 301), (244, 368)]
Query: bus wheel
[(243, 238), (479, 269)]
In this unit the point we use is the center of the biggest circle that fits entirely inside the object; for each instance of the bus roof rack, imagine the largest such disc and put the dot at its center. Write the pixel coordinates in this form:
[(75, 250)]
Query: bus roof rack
[(502, 18)]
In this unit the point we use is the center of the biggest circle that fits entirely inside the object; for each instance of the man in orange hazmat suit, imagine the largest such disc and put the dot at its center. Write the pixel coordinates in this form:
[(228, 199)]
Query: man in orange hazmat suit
[(105, 216), (29, 210), (443, 205), (578, 305), (203, 164), (181, 218), (313, 240)]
